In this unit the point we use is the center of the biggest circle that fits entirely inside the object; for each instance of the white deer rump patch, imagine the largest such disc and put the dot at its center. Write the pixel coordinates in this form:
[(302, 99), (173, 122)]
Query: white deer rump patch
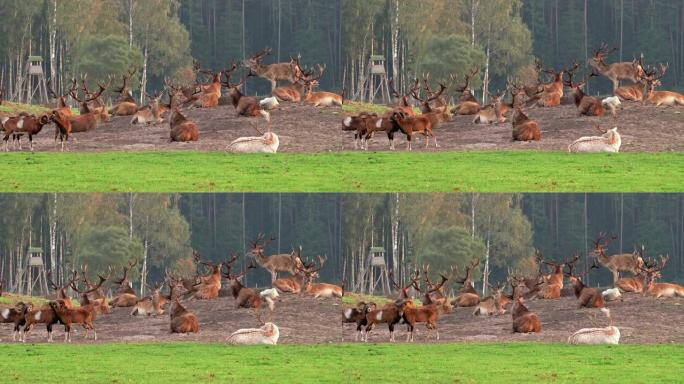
[(5, 313)]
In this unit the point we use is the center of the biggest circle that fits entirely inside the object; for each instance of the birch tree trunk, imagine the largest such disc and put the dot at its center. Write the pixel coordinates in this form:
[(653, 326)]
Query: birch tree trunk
[(131, 4), (53, 44), (473, 11), (143, 273), (485, 82), (131, 198), (53, 234), (143, 83), (395, 233), (395, 42)]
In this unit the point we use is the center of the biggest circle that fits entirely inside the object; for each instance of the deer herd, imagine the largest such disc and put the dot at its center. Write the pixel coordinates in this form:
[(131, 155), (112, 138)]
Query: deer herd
[(420, 300), (434, 105), (524, 97)]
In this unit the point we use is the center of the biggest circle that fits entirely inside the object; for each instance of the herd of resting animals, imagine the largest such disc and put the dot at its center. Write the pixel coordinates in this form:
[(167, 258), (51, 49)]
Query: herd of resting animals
[(402, 118), (366, 315)]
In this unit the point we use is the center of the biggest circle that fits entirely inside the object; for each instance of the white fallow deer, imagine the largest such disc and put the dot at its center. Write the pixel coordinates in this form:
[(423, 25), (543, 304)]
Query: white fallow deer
[(605, 335)]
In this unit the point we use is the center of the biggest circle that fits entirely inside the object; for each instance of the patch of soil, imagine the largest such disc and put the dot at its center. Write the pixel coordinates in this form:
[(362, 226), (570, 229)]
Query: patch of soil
[(308, 129), (304, 320)]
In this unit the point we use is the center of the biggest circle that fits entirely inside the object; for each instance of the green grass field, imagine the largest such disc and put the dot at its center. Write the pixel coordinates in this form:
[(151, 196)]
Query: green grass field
[(520, 171), (344, 363)]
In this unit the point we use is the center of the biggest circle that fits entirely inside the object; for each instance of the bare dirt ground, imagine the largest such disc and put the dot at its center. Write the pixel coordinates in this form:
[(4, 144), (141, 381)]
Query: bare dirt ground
[(304, 320), (308, 129)]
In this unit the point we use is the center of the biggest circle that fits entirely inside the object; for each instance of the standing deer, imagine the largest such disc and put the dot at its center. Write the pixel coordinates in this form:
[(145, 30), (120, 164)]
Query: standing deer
[(271, 72), (283, 262), (625, 262), (633, 71)]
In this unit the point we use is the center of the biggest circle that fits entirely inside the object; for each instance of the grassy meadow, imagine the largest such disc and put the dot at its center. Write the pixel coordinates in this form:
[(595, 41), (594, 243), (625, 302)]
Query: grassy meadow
[(343, 363), (516, 171)]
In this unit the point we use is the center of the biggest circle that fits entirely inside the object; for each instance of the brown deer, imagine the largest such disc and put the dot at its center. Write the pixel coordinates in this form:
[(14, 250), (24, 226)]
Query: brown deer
[(149, 114), (467, 295), (244, 297), (62, 105), (294, 91), (428, 314), (412, 125), (553, 283), (150, 305), (98, 301), (492, 304), (247, 106), (43, 315), (661, 289), (182, 129), (467, 103), (92, 101), (667, 98), (492, 113), (438, 113), (125, 296), (552, 93), (126, 105), (182, 320), (586, 105), (320, 289), (68, 316), (586, 296), (390, 314), (296, 282), (625, 262), (638, 282), (271, 72), (283, 262), (524, 320), (320, 99), (632, 71), (402, 102), (636, 91)]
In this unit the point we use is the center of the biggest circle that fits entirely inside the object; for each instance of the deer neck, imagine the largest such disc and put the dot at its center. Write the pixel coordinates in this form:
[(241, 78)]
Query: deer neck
[(603, 258), (578, 96), (261, 259), (599, 66), (578, 286), (261, 69), (235, 287)]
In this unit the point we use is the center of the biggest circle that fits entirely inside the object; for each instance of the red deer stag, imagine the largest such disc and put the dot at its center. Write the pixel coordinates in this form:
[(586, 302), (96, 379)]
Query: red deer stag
[(272, 72), (320, 289), (524, 320), (467, 104), (283, 262), (182, 320), (467, 296), (126, 105), (125, 296), (586, 105), (625, 262), (586, 296), (633, 71), (661, 289), (667, 98)]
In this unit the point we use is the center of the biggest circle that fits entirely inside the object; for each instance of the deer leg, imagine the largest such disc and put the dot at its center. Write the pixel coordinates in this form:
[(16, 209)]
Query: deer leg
[(31, 142)]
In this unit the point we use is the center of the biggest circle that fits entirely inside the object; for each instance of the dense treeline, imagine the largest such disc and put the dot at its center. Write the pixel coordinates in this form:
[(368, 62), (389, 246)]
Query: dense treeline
[(440, 36), (160, 230)]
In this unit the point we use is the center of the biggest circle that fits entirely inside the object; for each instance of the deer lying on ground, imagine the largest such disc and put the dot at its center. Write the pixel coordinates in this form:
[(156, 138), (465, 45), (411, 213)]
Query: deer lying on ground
[(99, 304), (247, 106), (437, 113), (267, 334), (587, 297), (667, 98), (150, 305), (125, 296), (61, 291), (62, 107), (492, 113), (149, 114), (357, 315), (661, 289), (294, 91), (402, 102), (244, 297), (467, 295), (606, 335), (610, 141), (428, 314), (524, 321), (320, 289), (636, 283), (491, 305), (633, 71), (210, 93), (553, 284), (29, 125), (586, 105), (126, 104), (467, 103), (435, 293), (92, 101), (271, 72), (68, 316), (182, 320), (283, 262), (320, 99), (625, 262), (294, 283), (266, 143), (16, 316), (552, 92)]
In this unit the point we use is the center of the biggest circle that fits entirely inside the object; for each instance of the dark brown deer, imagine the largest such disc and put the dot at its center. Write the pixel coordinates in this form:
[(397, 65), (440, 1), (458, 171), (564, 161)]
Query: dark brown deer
[(587, 297), (247, 106), (244, 297), (467, 295), (632, 71), (412, 125), (586, 105), (181, 129), (467, 104), (182, 320), (524, 320)]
